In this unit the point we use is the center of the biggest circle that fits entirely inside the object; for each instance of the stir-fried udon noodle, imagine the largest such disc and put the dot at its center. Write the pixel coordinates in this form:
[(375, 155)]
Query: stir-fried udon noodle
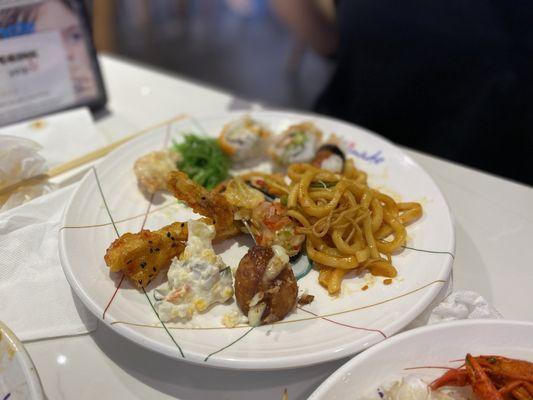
[(347, 224)]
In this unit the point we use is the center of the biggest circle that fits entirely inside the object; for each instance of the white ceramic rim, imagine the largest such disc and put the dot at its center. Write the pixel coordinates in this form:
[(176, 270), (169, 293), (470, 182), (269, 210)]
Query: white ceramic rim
[(274, 363), (30, 372)]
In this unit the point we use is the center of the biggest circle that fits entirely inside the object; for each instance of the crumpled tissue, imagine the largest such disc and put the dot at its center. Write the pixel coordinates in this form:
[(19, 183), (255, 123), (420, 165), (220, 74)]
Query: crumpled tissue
[(463, 304), (455, 305), (20, 159)]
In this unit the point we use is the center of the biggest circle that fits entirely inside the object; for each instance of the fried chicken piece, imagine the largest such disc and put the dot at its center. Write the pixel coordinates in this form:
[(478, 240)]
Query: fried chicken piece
[(152, 169), (141, 256), (209, 204)]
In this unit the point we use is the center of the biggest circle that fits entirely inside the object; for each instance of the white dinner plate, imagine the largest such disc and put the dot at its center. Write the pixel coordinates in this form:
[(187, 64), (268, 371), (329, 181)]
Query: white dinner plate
[(328, 328), (441, 345), (18, 377)]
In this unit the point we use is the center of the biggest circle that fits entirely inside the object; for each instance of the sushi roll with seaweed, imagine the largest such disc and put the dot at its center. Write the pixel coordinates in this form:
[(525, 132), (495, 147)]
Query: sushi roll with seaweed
[(298, 143), (243, 139), (330, 157)]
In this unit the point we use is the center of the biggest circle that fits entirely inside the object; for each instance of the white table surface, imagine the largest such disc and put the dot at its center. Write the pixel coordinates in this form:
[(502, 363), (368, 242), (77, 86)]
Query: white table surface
[(494, 232)]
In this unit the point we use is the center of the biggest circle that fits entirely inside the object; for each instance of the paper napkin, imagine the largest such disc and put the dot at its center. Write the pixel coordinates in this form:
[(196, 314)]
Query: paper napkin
[(19, 160), (35, 297)]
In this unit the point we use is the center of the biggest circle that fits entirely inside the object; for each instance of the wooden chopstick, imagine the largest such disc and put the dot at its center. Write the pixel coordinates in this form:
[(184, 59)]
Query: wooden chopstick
[(77, 162)]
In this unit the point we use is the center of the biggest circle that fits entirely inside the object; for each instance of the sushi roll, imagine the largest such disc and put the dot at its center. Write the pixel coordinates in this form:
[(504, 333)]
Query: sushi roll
[(243, 139), (330, 157), (298, 143)]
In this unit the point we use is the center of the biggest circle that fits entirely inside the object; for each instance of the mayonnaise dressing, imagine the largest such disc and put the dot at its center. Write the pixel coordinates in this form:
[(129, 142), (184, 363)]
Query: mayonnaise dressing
[(198, 279), (277, 263), (255, 313)]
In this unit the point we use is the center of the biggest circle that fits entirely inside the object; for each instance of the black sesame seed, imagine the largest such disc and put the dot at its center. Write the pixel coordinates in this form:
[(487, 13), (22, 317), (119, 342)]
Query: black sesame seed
[(140, 281), (173, 238), (149, 276), (168, 234), (182, 224), (143, 264), (203, 197), (154, 269), (150, 242), (156, 249)]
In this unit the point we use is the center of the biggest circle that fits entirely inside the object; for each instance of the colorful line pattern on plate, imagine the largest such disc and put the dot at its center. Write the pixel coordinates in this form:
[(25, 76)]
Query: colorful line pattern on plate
[(375, 158), (431, 251), (145, 217), (116, 290), (113, 296), (119, 221), (290, 321), (343, 324), (162, 323), (165, 143), (229, 345)]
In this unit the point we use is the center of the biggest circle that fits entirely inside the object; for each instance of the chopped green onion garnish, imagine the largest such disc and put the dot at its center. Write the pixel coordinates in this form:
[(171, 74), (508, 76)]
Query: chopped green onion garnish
[(203, 160)]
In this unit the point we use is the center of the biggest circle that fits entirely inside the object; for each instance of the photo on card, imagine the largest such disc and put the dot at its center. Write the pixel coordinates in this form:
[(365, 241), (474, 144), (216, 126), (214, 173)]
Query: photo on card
[(47, 59)]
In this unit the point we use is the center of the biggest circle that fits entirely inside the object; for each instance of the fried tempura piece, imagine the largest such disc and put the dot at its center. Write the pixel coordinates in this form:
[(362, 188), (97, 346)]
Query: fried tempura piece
[(152, 169), (209, 204), (140, 256)]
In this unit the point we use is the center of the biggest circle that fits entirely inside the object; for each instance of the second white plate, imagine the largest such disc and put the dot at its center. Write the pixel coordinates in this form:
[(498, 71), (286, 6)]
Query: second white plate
[(435, 345), (18, 376)]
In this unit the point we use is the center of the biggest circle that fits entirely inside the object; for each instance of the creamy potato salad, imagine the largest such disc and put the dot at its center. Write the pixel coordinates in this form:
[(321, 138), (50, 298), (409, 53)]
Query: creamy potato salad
[(196, 280)]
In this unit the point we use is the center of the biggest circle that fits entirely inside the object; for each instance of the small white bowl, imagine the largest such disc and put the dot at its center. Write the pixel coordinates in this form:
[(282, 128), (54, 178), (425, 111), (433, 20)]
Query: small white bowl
[(433, 345), (18, 377)]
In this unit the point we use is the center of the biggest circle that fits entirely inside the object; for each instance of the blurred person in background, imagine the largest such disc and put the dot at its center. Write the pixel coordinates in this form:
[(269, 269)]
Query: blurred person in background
[(451, 78)]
